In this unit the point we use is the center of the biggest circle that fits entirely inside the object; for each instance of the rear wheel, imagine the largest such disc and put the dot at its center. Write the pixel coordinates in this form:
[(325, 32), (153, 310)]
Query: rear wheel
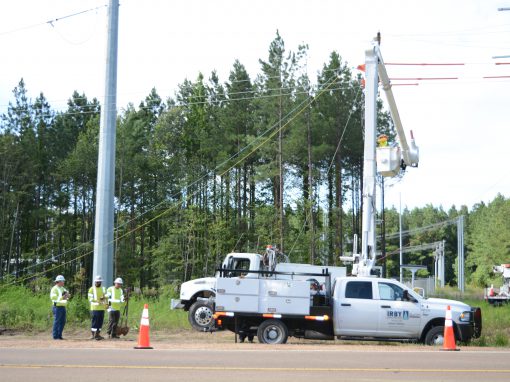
[(200, 316), (272, 332), (435, 336)]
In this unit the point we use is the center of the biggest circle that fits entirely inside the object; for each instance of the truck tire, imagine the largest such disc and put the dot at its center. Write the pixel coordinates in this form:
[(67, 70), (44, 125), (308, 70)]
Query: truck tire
[(272, 332), (200, 316), (435, 336)]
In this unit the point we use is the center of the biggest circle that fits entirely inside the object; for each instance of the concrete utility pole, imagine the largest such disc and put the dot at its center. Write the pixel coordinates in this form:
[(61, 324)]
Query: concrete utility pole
[(103, 237), (460, 249)]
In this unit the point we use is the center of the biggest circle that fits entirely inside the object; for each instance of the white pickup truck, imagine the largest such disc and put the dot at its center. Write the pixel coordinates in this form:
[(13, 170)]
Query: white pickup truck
[(317, 303)]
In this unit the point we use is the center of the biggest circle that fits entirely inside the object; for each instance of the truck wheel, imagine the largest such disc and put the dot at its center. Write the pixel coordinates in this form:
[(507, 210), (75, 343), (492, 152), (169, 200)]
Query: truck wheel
[(272, 332), (200, 316), (435, 336)]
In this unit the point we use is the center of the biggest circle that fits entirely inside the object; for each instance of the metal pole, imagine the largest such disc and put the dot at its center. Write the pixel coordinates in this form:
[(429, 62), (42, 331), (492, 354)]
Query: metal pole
[(400, 238), (383, 233), (460, 251), (443, 247), (368, 237), (103, 237)]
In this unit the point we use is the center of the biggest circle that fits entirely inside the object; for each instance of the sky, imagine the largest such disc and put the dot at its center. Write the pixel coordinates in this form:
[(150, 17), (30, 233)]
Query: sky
[(462, 126)]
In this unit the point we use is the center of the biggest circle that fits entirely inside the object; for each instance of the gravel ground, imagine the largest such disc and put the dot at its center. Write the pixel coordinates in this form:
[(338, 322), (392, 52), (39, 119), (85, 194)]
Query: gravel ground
[(188, 339)]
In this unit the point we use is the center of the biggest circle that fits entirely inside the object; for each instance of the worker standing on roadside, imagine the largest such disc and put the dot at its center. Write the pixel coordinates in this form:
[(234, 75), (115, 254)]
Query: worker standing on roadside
[(59, 297), (98, 304), (115, 303)]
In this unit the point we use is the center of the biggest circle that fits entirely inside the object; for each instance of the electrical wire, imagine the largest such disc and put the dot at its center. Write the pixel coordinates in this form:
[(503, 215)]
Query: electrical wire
[(331, 162), (205, 86), (52, 21), (308, 102)]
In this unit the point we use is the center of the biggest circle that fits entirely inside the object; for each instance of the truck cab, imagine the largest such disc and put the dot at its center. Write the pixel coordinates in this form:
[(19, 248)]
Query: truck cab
[(384, 308)]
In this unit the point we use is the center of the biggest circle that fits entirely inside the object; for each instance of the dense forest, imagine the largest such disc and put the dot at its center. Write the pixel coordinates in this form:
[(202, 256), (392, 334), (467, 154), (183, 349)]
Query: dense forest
[(223, 165)]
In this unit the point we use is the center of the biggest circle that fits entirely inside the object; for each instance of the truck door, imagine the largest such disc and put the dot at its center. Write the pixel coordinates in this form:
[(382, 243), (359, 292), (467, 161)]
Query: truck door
[(355, 310), (397, 317)]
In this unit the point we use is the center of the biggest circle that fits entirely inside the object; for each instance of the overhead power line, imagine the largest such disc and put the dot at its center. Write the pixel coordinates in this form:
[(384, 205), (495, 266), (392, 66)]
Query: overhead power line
[(52, 21), (258, 143)]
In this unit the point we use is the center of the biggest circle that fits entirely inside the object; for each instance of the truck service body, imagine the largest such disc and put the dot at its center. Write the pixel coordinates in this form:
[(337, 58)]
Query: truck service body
[(273, 305)]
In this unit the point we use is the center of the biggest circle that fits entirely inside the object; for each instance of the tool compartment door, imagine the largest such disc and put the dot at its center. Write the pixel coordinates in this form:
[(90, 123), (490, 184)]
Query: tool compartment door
[(285, 297), (237, 295)]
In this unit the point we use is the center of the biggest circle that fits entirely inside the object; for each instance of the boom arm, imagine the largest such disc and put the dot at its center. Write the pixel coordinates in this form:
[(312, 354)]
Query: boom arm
[(374, 69), (410, 152)]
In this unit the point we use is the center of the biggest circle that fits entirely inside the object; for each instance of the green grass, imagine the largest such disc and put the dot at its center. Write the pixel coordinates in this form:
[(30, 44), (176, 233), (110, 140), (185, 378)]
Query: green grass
[(495, 320), (23, 310)]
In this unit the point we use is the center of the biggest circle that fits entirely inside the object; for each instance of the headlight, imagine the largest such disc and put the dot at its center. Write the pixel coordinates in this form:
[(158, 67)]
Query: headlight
[(465, 317)]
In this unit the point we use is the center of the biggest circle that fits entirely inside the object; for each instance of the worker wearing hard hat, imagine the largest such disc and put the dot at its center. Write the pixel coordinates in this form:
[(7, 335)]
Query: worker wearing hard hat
[(98, 303), (59, 297), (116, 302), (382, 140)]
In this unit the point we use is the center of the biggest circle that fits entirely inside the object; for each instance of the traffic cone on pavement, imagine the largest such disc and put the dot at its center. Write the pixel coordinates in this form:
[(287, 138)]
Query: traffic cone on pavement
[(143, 335), (449, 337)]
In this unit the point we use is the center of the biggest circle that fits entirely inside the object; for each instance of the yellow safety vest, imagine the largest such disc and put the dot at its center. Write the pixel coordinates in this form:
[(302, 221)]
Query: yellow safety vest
[(56, 295), (95, 295), (115, 298)]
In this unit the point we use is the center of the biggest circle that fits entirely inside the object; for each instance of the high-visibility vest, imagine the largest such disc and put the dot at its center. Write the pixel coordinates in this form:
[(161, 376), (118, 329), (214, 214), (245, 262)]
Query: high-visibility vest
[(115, 297), (56, 294), (95, 295)]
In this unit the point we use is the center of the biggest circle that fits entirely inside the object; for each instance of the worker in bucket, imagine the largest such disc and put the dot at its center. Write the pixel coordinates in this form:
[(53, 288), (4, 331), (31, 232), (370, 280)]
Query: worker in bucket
[(59, 297), (98, 304), (116, 302)]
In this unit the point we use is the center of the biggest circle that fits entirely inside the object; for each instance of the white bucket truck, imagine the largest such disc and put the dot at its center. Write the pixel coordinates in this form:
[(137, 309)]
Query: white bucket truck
[(259, 295)]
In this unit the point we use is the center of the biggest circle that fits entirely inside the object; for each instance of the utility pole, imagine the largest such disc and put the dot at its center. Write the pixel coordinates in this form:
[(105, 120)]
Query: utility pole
[(103, 236), (383, 230), (401, 262), (460, 255)]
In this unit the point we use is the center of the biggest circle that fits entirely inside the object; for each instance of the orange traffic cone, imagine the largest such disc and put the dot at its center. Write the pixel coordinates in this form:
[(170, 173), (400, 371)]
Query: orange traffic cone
[(449, 337), (143, 335)]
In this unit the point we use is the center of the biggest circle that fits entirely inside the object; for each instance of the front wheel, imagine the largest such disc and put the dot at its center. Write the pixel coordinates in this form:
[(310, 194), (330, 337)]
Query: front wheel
[(272, 332), (435, 336), (200, 316)]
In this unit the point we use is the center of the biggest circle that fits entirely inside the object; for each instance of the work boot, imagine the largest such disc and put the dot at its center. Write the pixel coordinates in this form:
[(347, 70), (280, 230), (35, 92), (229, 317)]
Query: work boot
[(98, 336), (93, 335)]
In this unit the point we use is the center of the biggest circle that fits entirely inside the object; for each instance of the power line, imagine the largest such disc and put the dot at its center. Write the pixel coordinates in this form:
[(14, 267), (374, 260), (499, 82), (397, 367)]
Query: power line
[(178, 104), (305, 103), (52, 21), (206, 85)]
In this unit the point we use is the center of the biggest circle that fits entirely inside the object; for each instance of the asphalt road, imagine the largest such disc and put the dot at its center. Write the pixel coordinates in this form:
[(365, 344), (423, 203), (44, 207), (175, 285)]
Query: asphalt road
[(260, 364)]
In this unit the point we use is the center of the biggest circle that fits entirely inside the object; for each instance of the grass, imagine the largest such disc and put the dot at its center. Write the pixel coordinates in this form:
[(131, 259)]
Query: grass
[(495, 320), (23, 310)]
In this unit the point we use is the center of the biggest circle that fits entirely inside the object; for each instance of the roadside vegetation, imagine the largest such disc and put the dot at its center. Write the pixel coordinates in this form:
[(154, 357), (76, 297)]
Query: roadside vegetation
[(22, 310), (26, 311)]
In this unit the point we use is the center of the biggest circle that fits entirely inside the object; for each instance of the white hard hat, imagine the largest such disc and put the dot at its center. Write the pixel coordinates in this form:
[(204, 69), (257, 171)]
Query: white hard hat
[(59, 278), (118, 280), (98, 279)]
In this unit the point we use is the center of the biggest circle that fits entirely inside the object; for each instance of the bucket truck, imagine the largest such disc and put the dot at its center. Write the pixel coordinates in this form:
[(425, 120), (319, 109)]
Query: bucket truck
[(254, 295)]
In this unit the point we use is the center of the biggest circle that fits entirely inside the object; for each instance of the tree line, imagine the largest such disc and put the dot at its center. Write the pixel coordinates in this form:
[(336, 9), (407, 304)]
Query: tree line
[(221, 166)]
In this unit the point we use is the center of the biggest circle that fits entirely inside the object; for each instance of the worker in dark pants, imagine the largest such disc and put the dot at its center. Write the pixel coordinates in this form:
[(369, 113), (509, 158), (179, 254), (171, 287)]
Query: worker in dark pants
[(59, 297), (98, 304), (115, 303)]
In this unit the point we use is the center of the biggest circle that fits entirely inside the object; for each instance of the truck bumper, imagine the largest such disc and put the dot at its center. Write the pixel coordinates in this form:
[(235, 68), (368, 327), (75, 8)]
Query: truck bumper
[(465, 331), (176, 304)]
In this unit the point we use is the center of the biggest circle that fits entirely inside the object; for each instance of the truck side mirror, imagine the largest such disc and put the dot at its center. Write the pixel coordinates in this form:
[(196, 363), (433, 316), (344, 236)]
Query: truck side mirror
[(407, 297)]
